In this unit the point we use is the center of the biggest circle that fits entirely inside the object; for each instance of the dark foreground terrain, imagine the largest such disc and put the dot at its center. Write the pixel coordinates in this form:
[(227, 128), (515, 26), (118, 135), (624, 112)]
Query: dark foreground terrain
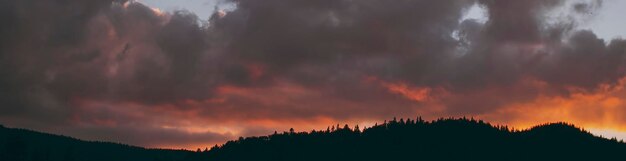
[(443, 139)]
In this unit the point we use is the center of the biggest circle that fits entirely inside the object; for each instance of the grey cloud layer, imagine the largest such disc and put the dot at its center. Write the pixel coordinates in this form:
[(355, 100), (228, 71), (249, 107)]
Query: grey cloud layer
[(56, 55)]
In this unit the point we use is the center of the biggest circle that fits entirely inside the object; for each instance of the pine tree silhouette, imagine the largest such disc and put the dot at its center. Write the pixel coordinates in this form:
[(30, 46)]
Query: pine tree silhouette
[(406, 139), (443, 139)]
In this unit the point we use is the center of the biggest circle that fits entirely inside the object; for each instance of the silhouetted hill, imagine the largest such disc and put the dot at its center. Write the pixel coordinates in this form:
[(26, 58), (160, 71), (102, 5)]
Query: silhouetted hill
[(443, 139), (26, 145)]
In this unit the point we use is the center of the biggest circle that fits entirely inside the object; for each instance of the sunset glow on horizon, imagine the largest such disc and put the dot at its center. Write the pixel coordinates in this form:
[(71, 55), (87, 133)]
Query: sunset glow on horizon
[(193, 74)]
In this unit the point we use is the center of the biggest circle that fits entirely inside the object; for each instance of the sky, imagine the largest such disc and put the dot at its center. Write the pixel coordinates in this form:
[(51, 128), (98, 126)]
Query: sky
[(195, 73)]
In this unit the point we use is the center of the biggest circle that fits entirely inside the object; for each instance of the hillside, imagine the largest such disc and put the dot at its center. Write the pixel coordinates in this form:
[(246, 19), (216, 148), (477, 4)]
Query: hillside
[(26, 145), (443, 139)]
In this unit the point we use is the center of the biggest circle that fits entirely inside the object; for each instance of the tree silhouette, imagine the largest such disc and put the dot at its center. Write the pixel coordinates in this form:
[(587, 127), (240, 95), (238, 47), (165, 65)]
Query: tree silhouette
[(442, 139), (25, 145), (406, 139)]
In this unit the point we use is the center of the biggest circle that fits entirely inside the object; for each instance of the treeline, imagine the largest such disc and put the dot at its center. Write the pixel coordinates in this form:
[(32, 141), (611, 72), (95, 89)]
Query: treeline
[(26, 145), (403, 139), (442, 139)]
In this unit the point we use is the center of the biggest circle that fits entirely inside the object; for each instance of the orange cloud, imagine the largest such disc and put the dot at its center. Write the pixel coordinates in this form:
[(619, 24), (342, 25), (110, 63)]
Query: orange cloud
[(602, 108), (415, 94), (256, 71)]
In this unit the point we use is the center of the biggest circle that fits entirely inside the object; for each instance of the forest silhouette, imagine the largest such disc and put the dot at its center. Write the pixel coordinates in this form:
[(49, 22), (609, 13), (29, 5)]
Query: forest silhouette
[(403, 139)]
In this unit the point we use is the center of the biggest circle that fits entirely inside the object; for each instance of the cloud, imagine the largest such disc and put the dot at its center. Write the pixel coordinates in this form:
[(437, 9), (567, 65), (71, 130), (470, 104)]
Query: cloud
[(150, 137), (115, 70)]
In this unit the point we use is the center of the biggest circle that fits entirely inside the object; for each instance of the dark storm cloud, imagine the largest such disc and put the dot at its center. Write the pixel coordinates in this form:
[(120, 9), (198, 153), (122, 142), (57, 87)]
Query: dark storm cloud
[(585, 61), (57, 53), (520, 44), (33, 33), (588, 8), (517, 21), (115, 50), (284, 60), (576, 58), (291, 36), (332, 44)]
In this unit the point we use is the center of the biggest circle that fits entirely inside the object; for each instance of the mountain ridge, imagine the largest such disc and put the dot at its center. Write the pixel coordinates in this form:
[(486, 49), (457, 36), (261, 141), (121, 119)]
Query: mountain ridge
[(441, 139)]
